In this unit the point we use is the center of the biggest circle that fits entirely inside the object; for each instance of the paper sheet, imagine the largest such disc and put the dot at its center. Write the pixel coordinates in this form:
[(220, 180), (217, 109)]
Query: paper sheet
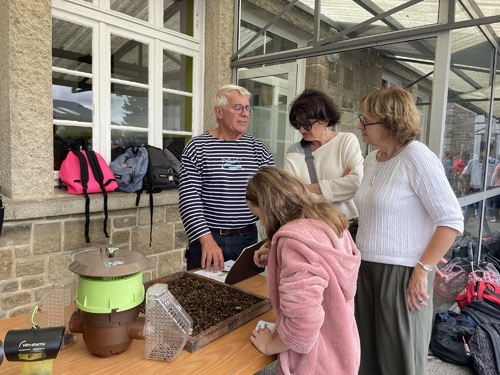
[(219, 276)]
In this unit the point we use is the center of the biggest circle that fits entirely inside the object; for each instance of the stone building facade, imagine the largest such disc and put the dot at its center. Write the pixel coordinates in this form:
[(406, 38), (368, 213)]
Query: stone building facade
[(43, 226)]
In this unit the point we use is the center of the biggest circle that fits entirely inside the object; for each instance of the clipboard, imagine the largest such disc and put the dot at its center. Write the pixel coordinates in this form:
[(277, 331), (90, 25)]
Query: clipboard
[(244, 267)]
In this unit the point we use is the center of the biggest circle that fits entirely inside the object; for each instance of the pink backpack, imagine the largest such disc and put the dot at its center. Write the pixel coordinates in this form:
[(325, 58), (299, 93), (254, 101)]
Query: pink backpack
[(85, 172)]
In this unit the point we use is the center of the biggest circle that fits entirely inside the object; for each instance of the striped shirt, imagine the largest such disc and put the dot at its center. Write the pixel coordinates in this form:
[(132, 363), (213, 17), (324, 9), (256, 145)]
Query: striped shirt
[(213, 180)]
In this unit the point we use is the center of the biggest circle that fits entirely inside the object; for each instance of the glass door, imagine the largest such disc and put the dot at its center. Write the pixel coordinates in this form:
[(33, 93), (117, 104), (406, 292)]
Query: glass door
[(273, 88)]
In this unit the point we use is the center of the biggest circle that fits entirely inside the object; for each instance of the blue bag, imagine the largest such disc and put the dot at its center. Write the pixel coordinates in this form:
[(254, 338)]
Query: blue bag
[(130, 168)]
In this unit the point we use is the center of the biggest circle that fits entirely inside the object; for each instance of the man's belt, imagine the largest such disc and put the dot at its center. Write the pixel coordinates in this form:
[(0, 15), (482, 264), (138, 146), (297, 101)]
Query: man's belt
[(230, 232)]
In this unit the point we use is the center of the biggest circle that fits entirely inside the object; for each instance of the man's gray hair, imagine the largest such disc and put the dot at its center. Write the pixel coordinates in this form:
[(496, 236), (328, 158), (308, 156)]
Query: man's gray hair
[(221, 98)]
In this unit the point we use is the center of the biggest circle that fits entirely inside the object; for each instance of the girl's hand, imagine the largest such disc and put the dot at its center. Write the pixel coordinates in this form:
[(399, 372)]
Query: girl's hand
[(261, 338), (260, 256)]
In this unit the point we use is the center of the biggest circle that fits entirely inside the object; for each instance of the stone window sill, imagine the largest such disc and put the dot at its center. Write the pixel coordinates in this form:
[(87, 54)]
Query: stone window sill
[(63, 203)]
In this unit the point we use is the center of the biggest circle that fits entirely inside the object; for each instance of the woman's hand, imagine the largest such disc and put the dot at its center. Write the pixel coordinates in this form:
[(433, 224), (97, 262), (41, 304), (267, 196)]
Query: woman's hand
[(438, 271), (260, 256), (417, 289)]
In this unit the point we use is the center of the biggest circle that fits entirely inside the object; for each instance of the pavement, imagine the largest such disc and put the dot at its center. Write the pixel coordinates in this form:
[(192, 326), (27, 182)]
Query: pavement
[(434, 367)]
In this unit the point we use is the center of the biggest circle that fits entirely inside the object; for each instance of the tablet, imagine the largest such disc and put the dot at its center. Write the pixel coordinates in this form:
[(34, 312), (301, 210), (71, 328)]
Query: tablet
[(244, 267)]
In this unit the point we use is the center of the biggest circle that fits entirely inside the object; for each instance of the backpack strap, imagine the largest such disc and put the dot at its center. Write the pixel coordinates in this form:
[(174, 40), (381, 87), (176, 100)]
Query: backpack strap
[(151, 180), (309, 160), (99, 177), (150, 217), (84, 178)]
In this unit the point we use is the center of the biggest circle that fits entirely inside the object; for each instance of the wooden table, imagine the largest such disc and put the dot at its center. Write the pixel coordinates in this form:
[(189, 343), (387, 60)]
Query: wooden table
[(233, 353)]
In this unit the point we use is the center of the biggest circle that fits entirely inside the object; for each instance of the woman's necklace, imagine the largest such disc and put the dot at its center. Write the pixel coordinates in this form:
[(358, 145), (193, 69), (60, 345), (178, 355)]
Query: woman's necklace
[(374, 174)]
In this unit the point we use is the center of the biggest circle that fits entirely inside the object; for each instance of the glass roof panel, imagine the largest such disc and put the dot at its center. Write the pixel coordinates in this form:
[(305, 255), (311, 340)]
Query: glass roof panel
[(354, 19), (344, 14), (470, 75)]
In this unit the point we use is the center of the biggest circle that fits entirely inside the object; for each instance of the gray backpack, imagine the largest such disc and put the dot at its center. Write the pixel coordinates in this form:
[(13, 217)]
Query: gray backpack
[(130, 168)]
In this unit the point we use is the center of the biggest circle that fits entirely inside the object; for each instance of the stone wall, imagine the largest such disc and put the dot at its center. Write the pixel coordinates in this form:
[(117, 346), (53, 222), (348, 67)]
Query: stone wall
[(459, 133), (26, 105), (36, 250), (218, 37)]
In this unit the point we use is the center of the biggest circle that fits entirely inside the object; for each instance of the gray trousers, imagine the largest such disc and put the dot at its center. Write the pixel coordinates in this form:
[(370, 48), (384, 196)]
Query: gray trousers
[(394, 340)]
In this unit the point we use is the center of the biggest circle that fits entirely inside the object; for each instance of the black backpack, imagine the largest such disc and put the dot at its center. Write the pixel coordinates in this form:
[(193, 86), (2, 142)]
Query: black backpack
[(160, 174), (175, 161), (482, 311), (159, 177), (450, 334), (485, 348)]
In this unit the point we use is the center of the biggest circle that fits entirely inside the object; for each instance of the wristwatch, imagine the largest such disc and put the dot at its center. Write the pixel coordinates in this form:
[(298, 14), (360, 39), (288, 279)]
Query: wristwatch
[(426, 266)]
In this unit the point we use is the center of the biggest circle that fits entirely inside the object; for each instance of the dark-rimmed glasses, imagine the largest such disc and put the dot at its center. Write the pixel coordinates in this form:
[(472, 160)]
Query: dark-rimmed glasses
[(307, 125), (240, 107), (365, 124)]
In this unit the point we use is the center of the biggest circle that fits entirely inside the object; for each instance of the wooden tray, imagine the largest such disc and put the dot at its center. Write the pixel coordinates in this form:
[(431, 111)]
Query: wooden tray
[(213, 333)]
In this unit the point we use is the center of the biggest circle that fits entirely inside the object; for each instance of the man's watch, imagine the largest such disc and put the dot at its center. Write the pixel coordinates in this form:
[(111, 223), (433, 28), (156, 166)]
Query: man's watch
[(426, 266)]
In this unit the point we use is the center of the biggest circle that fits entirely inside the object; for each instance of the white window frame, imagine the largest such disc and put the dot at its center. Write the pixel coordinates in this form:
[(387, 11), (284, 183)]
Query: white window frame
[(104, 22)]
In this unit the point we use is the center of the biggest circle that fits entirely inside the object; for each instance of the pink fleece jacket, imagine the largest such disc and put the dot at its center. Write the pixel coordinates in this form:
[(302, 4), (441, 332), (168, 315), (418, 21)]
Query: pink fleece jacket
[(312, 281)]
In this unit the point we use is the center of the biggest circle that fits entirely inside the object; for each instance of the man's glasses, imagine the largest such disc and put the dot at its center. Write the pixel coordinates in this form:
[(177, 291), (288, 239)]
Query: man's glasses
[(365, 124), (240, 107), (307, 125)]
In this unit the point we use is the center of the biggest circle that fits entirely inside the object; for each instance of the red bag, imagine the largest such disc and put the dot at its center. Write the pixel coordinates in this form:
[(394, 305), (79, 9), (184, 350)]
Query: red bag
[(479, 291)]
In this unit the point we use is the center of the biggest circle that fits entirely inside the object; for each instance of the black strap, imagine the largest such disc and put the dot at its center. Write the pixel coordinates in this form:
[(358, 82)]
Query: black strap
[(309, 161), (99, 177), (151, 182), (84, 179), (150, 217)]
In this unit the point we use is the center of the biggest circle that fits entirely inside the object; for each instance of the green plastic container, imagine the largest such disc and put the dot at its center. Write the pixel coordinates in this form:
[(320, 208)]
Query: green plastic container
[(102, 295)]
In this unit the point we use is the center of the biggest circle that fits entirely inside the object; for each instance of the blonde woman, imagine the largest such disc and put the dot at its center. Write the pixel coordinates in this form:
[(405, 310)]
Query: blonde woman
[(408, 218), (312, 269)]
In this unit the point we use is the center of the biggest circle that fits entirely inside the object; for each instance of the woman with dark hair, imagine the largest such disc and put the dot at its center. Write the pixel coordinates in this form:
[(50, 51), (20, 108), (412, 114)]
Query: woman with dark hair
[(338, 162), (409, 217), (312, 268)]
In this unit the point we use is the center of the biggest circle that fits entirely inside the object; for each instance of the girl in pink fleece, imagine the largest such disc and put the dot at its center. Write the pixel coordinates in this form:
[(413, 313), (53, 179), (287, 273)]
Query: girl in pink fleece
[(312, 268)]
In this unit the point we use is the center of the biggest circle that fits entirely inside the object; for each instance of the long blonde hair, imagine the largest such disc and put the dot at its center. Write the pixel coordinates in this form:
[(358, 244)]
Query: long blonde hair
[(282, 198)]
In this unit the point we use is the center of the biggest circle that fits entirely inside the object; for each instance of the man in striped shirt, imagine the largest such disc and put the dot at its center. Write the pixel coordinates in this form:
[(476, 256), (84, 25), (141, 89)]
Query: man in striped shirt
[(216, 166)]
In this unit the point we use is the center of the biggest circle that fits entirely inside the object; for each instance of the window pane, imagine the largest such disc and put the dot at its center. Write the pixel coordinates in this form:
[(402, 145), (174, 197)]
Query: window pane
[(129, 60), (66, 137), (177, 71), (272, 90), (265, 43), (134, 8), (129, 106), (175, 143), (178, 16), (121, 139), (467, 121), (177, 112), (71, 46), (71, 97)]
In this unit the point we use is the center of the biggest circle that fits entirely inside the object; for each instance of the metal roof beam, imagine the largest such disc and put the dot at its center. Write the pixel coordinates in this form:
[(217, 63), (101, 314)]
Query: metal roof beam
[(361, 42)]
